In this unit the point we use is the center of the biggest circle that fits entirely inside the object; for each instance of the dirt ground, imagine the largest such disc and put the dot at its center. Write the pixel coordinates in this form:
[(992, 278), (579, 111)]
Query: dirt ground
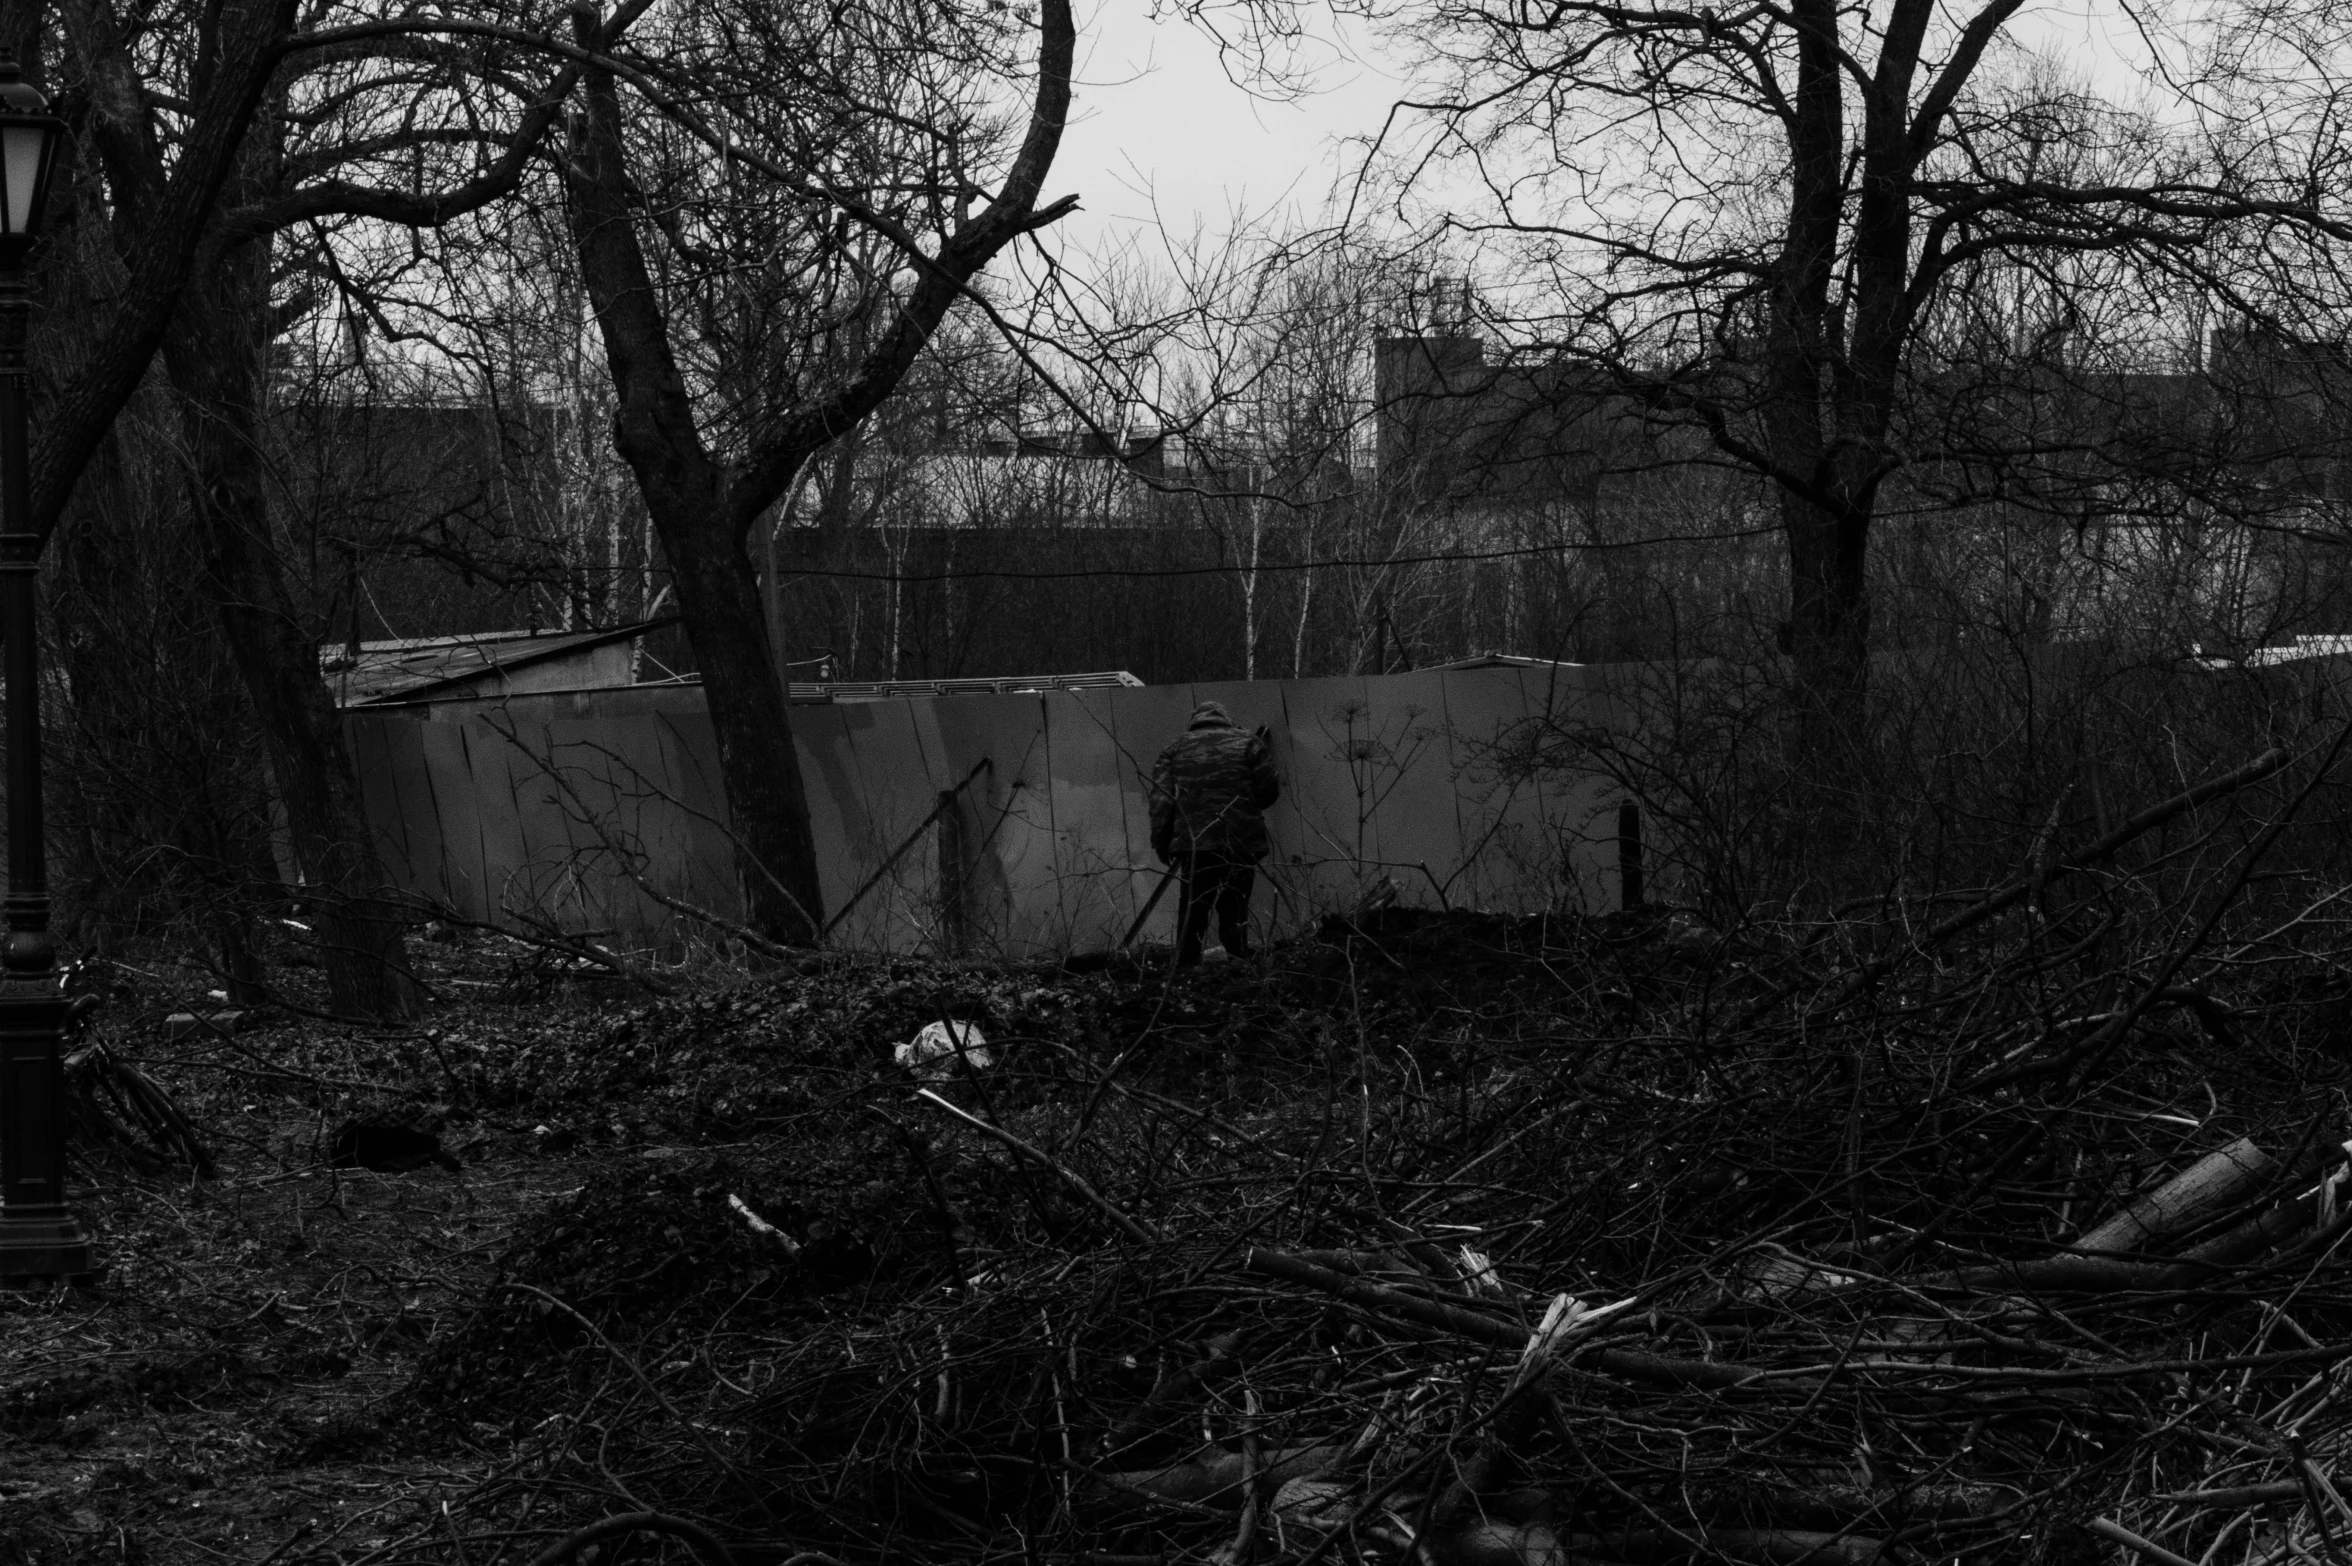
[(220, 1393), (203, 1401), (240, 1381), (1452, 1239)]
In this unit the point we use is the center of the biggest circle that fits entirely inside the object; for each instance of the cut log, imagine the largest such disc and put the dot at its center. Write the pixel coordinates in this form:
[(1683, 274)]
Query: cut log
[(2238, 1244), (2210, 1186), (2274, 1226)]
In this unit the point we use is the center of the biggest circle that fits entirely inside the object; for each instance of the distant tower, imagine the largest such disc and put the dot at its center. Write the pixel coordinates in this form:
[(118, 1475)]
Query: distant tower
[(1423, 390)]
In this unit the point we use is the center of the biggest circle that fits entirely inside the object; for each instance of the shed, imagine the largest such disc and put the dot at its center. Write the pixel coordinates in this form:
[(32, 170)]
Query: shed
[(483, 664)]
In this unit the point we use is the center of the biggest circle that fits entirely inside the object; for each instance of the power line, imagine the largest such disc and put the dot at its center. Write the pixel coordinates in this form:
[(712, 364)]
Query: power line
[(1084, 573)]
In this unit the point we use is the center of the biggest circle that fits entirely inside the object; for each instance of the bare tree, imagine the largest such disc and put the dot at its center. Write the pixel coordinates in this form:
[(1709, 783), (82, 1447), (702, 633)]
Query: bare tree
[(1754, 222), (745, 148), (404, 129)]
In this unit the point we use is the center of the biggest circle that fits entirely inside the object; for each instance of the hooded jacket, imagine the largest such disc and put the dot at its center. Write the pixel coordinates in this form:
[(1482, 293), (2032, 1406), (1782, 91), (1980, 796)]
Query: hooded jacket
[(1210, 791)]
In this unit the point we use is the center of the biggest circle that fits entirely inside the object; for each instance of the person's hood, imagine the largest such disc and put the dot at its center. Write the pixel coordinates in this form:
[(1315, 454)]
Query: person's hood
[(1210, 715)]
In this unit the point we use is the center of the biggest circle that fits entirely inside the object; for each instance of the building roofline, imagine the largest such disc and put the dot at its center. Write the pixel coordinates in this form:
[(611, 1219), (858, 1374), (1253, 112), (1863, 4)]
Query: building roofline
[(556, 644), (807, 692)]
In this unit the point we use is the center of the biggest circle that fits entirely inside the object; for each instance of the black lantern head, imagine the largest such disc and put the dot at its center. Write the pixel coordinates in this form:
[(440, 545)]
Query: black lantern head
[(29, 135)]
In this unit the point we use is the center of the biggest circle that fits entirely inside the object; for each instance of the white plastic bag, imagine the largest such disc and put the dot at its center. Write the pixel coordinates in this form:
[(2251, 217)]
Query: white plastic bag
[(931, 1054)]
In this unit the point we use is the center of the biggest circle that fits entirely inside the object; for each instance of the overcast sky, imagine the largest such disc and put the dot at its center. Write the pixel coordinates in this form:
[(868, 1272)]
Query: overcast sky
[(1162, 132)]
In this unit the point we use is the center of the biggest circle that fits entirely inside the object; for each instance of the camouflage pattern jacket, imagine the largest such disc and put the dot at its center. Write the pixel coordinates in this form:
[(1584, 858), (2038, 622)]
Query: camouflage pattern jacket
[(1210, 791)]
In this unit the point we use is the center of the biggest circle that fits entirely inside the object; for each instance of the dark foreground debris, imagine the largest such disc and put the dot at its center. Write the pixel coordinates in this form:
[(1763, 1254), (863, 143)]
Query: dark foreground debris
[(1445, 1237)]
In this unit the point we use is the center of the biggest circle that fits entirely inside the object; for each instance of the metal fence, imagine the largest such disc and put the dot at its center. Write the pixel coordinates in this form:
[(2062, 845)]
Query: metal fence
[(1006, 825)]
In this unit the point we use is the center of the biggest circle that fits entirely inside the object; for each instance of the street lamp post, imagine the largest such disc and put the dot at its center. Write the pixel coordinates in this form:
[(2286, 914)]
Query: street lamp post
[(39, 1236)]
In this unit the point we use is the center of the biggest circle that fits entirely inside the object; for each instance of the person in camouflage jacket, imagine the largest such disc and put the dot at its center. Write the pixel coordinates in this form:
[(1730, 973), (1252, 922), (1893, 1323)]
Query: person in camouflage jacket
[(1209, 794)]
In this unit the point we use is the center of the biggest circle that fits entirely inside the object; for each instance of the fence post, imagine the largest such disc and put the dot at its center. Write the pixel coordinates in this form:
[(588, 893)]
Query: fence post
[(1629, 855)]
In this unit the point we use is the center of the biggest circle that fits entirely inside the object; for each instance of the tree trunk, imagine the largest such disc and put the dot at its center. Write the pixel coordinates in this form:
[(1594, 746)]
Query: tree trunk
[(704, 509), (155, 762), (160, 258), (719, 603), (1829, 618), (685, 494), (216, 356)]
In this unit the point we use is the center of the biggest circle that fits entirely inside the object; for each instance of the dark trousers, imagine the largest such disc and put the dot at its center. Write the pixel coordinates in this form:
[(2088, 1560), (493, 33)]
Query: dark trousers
[(1212, 883)]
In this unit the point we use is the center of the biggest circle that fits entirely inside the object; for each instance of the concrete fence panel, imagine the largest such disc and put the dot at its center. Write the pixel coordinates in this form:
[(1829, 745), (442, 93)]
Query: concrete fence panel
[(896, 885), (1011, 861), (606, 822), (706, 858), (1509, 842), (1094, 891), (448, 764), (498, 785), (1332, 769), (625, 829)]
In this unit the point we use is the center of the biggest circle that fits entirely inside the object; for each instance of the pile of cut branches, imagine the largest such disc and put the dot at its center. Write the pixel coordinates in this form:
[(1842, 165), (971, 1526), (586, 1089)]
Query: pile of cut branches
[(1521, 1268), (2008, 1224)]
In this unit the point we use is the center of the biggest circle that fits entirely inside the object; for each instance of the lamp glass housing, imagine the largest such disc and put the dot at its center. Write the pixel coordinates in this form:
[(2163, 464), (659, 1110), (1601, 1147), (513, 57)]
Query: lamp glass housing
[(28, 150)]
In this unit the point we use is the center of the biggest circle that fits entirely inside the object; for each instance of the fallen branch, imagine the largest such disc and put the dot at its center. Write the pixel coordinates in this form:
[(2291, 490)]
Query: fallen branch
[(698, 1538), (1217, 1479), (140, 1109), (1077, 1182), (1781, 1546), (759, 1226), (2238, 1495), (2156, 815), (547, 937), (2210, 1184), (2145, 1548), (1626, 1364), (1170, 1397), (2111, 1274), (1832, 1507)]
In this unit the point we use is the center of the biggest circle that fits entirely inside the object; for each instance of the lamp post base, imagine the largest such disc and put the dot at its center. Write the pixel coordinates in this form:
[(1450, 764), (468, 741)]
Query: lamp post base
[(40, 1237), (40, 1250)]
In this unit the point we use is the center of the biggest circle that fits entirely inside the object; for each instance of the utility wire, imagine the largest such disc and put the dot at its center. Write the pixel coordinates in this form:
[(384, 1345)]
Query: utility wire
[(1367, 562)]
